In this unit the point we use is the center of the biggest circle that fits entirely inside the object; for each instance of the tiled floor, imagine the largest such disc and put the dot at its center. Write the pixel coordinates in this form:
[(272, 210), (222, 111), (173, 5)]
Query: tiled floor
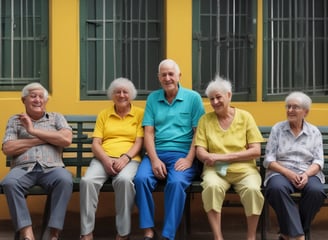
[(233, 225)]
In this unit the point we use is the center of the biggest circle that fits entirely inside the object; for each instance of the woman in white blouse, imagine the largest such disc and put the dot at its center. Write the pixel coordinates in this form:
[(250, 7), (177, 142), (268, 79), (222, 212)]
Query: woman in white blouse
[(294, 160)]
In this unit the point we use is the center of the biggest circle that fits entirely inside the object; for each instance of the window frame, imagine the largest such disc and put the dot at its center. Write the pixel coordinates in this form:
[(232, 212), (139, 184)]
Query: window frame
[(315, 95), (86, 93), (250, 51), (16, 79)]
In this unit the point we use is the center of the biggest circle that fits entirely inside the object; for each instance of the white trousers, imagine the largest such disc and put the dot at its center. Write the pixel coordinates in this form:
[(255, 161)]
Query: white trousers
[(123, 185)]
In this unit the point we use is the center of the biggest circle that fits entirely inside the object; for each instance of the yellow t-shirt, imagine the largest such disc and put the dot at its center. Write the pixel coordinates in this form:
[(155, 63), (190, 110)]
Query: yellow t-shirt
[(119, 134), (242, 131)]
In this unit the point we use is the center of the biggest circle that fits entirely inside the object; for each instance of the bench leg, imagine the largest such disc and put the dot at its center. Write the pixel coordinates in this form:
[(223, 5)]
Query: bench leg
[(45, 218), (186, 216), (265, 220), (308, 235), (182, 233), (184, 228), (17, 235)]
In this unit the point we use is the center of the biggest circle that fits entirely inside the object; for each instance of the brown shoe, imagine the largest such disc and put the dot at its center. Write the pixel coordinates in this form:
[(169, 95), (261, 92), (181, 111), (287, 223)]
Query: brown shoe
[(118, 237), (87, 237), (154, 237)]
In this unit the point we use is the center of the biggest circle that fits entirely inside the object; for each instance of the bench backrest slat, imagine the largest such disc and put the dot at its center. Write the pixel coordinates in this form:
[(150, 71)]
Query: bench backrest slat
[(79, 154)]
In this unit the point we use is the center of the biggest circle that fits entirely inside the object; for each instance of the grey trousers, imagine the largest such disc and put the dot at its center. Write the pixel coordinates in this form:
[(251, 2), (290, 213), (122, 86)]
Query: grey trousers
[(123, 185), (57, 182)]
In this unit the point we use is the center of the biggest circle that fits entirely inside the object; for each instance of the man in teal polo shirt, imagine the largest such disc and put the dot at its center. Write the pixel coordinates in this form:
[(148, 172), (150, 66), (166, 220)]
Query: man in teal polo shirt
[(170, 120)]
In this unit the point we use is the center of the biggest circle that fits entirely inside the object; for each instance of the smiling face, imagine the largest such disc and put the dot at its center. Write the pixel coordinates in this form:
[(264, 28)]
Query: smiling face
[(121, 97), (220, 102), (35, 103), (169, 77), (295, 112)]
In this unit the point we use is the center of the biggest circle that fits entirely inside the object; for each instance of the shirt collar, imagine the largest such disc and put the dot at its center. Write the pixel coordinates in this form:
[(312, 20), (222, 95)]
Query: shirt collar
[(45, 117), (305, 127), (112, 112), (178, 97)]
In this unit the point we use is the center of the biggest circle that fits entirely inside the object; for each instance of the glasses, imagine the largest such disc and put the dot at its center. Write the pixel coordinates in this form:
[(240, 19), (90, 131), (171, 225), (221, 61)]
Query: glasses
[(293, 107)]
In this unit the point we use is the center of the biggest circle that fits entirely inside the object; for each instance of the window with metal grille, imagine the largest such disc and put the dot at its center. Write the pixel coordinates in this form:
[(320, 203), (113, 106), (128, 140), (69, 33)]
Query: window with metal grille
[(295, 48), (120, 38), (224, 34), (23, 43)]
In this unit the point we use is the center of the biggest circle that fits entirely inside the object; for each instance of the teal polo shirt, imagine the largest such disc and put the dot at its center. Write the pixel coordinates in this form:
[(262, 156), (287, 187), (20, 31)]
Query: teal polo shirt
[(173, 123)]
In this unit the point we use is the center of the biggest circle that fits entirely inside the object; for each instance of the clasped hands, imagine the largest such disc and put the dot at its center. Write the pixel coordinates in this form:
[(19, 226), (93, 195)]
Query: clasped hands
[(160, 171), (115, 165), (298, 180)]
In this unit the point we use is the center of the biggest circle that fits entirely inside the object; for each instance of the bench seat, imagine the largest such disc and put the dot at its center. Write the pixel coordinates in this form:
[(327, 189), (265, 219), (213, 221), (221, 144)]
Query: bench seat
[(78, 156)]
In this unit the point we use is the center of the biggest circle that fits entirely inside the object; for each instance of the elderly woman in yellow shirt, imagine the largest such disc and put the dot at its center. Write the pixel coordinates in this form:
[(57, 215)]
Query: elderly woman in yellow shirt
[(228, 142), (117, 142)]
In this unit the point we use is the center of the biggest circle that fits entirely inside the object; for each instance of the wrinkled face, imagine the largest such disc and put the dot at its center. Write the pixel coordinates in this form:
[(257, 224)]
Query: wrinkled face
[(35, 102), (295, 112), (219, 101), (169, 77), (121, 97)]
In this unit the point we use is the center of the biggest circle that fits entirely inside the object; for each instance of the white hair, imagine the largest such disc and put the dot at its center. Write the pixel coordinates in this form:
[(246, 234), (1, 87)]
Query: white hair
[(32, 86), (218, 84), (124, 83), (171, 63), (304, 100)]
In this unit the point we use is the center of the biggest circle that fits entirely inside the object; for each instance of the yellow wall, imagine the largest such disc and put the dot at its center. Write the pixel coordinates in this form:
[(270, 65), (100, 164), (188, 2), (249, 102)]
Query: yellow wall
[(65, 74)]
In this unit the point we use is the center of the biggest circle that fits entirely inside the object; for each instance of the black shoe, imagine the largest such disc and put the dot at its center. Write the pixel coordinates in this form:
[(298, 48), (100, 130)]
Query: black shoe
[(281, 237), (150, 238)]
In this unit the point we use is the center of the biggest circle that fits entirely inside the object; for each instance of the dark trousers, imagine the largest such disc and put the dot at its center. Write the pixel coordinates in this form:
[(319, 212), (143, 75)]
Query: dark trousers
[(294, 220)]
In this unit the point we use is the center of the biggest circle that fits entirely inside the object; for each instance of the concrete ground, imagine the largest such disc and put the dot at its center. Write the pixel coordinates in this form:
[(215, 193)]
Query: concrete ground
[(233, 225)]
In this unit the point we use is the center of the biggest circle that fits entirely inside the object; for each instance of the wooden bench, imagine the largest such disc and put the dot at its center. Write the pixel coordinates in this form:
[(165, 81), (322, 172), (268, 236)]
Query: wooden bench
[(78, 156), (264, 222)]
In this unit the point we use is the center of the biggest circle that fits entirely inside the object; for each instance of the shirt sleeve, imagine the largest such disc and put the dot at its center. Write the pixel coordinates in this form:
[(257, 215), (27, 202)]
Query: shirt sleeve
[(318, 149), (201, 139), (11, 130), (198, 110), (253, 133), (271, 147), (148, 118)]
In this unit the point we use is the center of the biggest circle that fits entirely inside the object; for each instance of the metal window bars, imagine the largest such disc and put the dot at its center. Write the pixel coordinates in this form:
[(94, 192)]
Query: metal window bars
[(20, 41), (296, 46)]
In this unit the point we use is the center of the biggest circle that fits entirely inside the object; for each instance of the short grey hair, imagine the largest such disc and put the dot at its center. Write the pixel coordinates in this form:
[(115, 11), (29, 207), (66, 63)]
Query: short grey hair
[(122, 83), (169, 62), (304, 100), (218, 84), (32, 86)]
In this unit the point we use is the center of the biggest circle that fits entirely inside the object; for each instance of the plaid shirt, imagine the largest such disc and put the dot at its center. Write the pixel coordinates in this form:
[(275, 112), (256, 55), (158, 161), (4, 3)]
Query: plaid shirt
[(46, 155)]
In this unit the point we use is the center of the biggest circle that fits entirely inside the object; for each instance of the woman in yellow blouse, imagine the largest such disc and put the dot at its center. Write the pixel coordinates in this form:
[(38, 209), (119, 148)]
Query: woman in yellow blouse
[(117, 142), (228, 142)]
